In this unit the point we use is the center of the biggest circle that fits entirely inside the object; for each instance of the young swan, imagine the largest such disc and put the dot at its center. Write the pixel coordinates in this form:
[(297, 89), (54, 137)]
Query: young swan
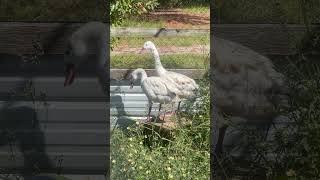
[(92, 35), (156, 89), (187, 86)]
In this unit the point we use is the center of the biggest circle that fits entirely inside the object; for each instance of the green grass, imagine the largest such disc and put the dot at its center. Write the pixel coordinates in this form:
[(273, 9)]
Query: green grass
[(142, 22), (178, 160), (143, 153), (164, 41), (174, 61), (263, 11), (196, 9)]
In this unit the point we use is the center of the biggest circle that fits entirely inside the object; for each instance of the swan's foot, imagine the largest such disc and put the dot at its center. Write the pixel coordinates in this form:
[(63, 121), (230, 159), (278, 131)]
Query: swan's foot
[(166, 116), (148, 120), (170, 113)]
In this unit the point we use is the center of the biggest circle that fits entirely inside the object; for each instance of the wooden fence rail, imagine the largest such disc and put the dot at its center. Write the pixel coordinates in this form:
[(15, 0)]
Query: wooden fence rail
[(19, 38)]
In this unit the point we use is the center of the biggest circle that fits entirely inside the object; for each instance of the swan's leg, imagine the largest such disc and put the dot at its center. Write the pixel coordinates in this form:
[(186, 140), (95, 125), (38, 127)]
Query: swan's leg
[(178, 106), (172, 111), (164, 116), (222, 132), (172, 106), (160, 107), (148, 117), (218, 152), (159, 110)]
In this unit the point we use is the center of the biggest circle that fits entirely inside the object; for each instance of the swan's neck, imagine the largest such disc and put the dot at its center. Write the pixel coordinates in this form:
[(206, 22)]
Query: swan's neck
[(101, 60), (159, 68), (143, 76), (102, 50)]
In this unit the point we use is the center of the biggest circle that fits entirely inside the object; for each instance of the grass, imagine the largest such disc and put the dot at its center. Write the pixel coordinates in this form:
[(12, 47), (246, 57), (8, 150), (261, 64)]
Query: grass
[(176, 160), (142, 22), (196, 9), (263, 11), (137, 42), (175, 61), (143, 153), (183, 61)]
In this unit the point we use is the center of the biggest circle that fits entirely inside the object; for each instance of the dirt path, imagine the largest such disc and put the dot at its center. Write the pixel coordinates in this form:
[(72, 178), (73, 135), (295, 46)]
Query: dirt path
[(196, 49), (179, 19)]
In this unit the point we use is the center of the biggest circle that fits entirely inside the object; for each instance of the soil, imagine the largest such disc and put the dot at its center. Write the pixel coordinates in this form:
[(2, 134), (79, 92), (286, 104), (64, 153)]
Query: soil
[(178, 19), (197, 49), (169, 122)]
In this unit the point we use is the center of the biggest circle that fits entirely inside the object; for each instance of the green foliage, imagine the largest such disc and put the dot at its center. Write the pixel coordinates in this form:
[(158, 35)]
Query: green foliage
[(303, 144), (52, 10), (185, 155), (122, 9)]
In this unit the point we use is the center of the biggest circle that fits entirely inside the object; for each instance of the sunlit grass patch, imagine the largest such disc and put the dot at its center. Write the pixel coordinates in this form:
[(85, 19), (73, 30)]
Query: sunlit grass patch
[(196, 9), (143, 22), (172, 61)]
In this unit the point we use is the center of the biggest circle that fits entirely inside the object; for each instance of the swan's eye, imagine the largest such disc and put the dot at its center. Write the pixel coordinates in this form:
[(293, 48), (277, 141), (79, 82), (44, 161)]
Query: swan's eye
[(67, 52)]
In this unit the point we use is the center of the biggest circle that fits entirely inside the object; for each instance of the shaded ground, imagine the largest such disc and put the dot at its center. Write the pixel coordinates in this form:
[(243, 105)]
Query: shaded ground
[(178, 19)]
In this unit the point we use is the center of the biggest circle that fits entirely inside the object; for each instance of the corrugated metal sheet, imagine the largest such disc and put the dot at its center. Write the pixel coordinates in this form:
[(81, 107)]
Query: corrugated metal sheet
[(58, 129), (130, 105)]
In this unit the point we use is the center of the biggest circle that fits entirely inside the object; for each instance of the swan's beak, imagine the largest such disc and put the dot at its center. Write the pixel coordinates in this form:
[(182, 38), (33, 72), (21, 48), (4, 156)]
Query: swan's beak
[(131, 84), (141, 50), (70, 74)]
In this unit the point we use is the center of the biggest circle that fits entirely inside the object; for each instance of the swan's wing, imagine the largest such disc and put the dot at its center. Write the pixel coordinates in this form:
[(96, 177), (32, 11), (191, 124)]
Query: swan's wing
[(155, 85), (182, 81), (156, 90), (243, 81), (172, 88), (234, 56), (186, 86)]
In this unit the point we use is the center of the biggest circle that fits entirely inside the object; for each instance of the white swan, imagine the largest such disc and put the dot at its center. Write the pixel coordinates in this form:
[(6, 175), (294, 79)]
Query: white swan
[(246, 86), (92, 35), (186, 85), (156, 89)]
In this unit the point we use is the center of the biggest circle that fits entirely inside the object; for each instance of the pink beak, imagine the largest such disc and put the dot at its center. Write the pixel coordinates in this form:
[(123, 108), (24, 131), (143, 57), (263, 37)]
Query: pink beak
[(70, 75), (141, 50)]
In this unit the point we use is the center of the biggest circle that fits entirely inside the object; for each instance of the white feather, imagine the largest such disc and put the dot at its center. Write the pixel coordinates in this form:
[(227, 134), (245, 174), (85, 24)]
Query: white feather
[(156, 89), (187, 86)]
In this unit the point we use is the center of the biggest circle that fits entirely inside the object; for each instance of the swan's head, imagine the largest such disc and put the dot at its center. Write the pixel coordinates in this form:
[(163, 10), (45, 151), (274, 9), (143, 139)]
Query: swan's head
[(148, 45), (76, 52), (136, 75)]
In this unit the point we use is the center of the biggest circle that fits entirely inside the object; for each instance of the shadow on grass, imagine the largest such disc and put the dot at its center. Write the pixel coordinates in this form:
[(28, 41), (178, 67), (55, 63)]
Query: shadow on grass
[(20, 128)]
